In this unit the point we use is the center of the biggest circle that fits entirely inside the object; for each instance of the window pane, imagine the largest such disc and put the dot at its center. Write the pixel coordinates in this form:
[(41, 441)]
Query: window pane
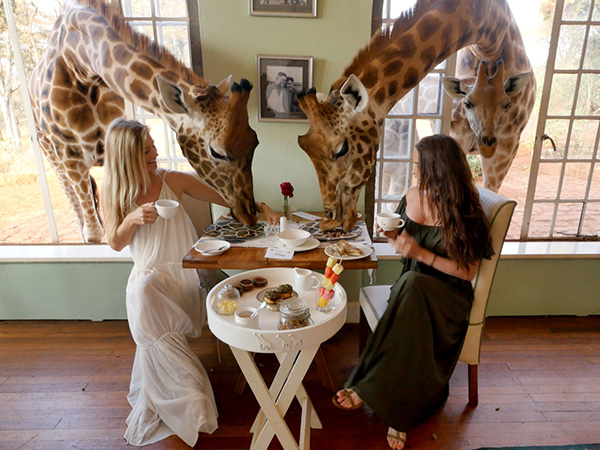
[(137, 8), (430, 95), (143, 28), (427, 128), (546, 186), (576, 10), (595, 187), (175, 39), (583, 139), (596, 13), (541, 218), (556, 129), (394, 180), (404, 107), (171, 8), (396, 138), (399, 6), (562, 94), (591, 222), (592, 53), (588, 103), (567, 219), (575, 180), (570, 45)]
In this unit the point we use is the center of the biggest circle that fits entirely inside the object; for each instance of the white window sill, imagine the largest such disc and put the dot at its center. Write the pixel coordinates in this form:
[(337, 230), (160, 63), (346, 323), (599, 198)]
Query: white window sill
[(103, 253), (523, 250), (62, 253)]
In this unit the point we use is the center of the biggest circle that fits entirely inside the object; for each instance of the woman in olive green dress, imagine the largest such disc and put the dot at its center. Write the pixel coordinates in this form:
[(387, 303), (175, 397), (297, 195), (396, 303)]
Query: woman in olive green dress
[(404, 371)]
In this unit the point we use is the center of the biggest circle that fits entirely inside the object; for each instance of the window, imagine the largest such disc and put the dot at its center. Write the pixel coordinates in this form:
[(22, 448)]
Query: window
[(555, 181), (33, 207)]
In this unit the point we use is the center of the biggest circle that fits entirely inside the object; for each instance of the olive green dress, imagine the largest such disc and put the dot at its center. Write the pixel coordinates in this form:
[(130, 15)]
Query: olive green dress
[(404, 371)]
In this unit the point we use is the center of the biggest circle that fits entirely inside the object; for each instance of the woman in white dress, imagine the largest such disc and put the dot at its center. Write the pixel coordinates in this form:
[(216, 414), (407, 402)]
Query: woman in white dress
[(170, 392)]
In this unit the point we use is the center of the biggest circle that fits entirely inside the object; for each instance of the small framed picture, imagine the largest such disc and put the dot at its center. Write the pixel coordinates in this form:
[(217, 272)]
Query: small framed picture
[(283, 8), (280, 79)]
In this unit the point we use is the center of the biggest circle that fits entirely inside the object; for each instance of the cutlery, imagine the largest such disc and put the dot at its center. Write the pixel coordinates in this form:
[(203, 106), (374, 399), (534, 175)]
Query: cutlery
[(216, 250), (258, 309)]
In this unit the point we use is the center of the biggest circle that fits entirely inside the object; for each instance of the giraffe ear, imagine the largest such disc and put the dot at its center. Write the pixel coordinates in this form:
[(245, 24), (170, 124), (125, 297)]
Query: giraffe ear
[(175, 99), (516, 83), (224, 85), (455, 87), (355, 93)]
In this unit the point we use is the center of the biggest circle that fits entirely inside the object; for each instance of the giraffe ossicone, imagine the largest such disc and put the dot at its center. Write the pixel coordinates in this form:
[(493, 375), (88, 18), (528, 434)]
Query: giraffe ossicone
[(94, 62), (344, 128)]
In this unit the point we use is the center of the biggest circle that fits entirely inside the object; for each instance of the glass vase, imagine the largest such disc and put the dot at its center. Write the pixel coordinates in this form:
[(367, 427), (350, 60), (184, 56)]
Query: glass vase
[(285, 210)]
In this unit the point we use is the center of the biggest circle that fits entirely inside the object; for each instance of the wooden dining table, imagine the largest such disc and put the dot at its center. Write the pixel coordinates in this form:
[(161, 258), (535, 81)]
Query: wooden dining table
[(249, 258)]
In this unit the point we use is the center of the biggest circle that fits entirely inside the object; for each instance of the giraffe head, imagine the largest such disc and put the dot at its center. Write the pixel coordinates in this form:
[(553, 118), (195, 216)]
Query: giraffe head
[(341, 142), (213, 132), (486, 102)]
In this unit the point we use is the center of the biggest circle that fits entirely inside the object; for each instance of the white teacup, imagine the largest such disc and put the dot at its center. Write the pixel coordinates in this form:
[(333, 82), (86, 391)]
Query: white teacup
[(166, 208), (304, 280), (389, 221)]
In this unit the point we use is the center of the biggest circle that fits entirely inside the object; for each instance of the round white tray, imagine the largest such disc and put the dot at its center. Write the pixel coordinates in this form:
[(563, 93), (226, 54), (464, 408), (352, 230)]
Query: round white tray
[(267, 338)]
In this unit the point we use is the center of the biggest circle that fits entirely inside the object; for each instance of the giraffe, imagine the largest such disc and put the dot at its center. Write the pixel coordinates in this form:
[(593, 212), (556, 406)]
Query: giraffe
[(344, 126), (490, 111), (95, 62)]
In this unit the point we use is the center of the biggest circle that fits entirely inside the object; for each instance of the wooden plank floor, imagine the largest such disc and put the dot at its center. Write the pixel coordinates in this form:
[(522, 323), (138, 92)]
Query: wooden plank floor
[(63, 385)]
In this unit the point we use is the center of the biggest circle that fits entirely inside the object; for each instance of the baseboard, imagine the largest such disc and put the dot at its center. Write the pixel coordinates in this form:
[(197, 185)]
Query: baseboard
[(352, 312)]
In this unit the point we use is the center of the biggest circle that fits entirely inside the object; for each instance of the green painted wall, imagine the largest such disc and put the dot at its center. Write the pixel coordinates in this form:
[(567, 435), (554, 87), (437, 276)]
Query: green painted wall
[(96, 291), (231, 39)]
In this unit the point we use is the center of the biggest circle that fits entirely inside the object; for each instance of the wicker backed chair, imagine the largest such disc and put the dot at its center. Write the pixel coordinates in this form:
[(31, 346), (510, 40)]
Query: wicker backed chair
[(373, 299)]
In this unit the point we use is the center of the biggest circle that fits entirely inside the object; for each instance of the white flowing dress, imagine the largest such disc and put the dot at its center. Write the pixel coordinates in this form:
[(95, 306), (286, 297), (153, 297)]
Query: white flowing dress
[(170, 392)]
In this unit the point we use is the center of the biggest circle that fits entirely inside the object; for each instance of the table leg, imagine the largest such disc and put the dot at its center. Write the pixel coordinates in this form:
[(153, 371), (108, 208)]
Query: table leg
[(275, 410)]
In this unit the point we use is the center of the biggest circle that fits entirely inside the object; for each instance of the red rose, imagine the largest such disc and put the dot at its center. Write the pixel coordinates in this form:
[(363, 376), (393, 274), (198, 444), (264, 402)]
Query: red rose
[(287, 189)]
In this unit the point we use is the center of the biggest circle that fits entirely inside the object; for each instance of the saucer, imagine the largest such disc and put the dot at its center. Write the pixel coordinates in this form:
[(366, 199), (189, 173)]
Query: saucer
[(310, 243), (211, 247)]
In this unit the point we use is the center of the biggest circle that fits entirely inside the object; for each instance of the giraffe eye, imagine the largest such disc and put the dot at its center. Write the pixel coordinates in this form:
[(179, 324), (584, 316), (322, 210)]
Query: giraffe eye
[(218, 155), (505, 107), (468, 104), (343, 150)]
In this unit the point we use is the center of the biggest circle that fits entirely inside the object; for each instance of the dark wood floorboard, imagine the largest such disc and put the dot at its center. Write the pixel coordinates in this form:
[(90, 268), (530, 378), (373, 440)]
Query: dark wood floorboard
[(63, 385)]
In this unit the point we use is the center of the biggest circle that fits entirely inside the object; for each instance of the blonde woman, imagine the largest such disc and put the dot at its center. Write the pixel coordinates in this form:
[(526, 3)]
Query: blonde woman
[(170, 392)]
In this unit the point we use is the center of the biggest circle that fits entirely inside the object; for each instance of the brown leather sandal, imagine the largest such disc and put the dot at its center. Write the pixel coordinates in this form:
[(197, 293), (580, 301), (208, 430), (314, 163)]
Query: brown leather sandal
[(347, 396)]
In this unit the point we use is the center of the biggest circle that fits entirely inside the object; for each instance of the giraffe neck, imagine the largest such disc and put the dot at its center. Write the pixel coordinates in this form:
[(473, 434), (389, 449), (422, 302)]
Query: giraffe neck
[(125, 62), (396, 62)]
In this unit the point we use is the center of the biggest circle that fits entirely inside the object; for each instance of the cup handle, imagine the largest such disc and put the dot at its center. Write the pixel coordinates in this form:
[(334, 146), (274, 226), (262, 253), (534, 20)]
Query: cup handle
[(315, 282)]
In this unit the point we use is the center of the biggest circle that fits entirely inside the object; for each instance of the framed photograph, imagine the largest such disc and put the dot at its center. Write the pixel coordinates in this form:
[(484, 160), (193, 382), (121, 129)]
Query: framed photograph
[(280, 79), (283, 8)]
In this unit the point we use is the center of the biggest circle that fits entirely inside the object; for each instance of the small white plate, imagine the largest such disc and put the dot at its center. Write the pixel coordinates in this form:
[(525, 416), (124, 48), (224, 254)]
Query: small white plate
[(208, 247), (310, 243), (364, 248)]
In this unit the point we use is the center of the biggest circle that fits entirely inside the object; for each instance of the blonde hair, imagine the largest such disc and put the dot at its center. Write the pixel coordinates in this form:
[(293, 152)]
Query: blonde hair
[(125, 175)]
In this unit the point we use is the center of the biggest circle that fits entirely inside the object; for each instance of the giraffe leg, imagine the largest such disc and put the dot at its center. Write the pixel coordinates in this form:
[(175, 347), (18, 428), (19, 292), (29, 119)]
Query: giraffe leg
[(65, 182), (81, 181)]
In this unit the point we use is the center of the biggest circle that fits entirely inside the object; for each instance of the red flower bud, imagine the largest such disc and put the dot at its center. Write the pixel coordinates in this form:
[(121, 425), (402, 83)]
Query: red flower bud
[(287, 189)]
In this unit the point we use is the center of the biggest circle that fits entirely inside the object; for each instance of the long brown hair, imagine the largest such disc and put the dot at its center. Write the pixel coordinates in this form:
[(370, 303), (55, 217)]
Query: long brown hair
[(447, 184)]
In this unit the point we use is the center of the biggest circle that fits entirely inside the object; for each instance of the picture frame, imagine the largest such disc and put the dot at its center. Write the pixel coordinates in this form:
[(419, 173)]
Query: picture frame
[(280, 79), (283, 8)]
